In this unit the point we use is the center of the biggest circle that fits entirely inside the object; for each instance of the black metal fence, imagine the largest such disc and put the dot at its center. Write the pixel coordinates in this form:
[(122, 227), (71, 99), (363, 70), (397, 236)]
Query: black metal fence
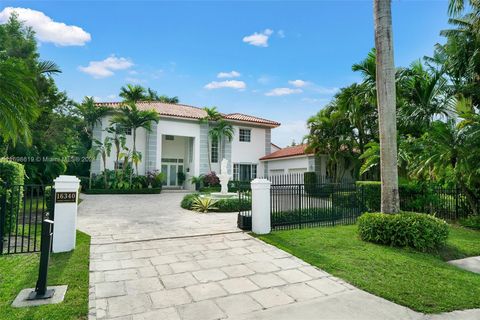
[(298, 205), (311, 205), (22, 210), (244, 218)]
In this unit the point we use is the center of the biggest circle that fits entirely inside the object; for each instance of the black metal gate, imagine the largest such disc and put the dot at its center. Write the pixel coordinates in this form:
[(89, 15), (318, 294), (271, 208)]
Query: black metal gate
[(244, 219), (22, 210)]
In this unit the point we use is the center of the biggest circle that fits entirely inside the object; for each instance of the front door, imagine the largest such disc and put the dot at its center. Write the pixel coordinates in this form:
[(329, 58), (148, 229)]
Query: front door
[(170, 172)]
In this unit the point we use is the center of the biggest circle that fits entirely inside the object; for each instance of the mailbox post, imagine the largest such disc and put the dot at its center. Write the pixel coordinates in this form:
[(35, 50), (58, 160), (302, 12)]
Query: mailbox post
[(41, 291), (66, 202)]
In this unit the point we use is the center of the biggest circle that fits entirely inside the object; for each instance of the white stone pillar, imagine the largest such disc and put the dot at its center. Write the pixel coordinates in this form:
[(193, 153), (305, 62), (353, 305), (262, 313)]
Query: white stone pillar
[(261, 206), (65, 214)]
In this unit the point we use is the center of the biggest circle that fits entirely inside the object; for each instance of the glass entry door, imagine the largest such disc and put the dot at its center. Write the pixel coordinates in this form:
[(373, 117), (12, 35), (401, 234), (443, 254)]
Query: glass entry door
[(170, 171)]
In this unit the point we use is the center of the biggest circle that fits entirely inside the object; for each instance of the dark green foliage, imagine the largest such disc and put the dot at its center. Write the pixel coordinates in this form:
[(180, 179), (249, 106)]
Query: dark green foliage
[(210, 189), (406, 229), (187, 201), (224, 205), (472, 222), (124, 191), (414, 197), (346, 199), (11, 174), (233, 205)]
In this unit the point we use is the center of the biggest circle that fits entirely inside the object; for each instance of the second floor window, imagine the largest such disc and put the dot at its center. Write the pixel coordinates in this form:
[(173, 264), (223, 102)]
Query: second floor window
[(214, 151), (245, 135)]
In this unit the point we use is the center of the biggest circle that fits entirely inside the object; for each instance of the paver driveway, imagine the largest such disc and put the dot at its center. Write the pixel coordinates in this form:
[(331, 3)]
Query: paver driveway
[(204, 277), (119, 218)]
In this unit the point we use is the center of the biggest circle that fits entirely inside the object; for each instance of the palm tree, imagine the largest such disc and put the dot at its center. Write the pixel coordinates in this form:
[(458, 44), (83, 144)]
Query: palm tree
[(103, 149), (386, 98), (212, 115), (131, 117), (152, 95), (132, 93), (119, 141), (18, 100), (219, 132), (91, 114)]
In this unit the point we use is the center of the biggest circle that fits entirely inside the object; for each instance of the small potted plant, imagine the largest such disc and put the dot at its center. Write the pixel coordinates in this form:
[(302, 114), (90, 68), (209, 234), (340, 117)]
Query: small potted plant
[(181, 178)]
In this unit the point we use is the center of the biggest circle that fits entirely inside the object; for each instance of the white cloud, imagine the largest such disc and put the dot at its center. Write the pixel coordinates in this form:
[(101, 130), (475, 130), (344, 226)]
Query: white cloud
[(112, 96), (281, 33), (326, 90), (282, 92), (259, 39), (135, 80), (105, 68), (264, 80), (47, 30), (231, 74), (234, 84), (298, 83)]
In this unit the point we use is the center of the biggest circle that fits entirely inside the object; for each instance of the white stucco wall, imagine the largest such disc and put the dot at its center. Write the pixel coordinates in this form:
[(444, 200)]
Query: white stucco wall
[(249, 152), (140, 145), (288, 165)]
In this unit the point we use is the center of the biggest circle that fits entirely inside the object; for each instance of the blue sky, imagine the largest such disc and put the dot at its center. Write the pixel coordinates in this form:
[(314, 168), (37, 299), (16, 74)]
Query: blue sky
[(180, 48)]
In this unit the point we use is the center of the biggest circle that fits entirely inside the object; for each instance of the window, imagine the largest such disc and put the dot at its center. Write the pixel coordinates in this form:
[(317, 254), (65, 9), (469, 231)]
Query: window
[(119, 165), (125, 130), (169, 137), (244, 172), (214, 151), (245, 134)]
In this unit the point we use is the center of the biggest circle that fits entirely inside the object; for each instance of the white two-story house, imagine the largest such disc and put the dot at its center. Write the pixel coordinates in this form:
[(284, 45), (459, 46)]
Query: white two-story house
[(179, 143)]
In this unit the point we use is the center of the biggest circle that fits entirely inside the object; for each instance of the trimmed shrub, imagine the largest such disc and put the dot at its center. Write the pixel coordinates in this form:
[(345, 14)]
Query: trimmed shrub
[(233, 205), (211, 179), (346, 199), (472, 222), (413, 197), (124, 191), (406, 229), (316, 188), (223, 205), (11, 174), (210, 189), (187, 201)]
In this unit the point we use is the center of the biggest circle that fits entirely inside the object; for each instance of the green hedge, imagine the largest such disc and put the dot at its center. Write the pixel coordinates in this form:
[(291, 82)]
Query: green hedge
[(472, 222), (11, 174), (123, 191), (422, 232), (346, 199), (224, 205), (413, 197)]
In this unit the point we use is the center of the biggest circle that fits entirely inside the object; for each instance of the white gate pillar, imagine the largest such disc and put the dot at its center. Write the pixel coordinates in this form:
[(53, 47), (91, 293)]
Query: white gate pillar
[(261, 206), (65, 213)]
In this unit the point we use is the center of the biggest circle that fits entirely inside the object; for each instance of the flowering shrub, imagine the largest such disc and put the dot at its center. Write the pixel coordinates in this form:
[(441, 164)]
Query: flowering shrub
[(211, 179)]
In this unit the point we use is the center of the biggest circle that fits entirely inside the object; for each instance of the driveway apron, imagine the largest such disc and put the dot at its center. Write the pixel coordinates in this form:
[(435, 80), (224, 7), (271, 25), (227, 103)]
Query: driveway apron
[(152, 260)]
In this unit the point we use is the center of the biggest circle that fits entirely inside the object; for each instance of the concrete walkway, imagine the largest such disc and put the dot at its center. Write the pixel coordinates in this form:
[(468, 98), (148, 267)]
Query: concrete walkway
[(206, 277), (471, 264)]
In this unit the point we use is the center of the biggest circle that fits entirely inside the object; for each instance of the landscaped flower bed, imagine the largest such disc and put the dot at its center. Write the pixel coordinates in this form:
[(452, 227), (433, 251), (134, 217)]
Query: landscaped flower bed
[(223, 205)]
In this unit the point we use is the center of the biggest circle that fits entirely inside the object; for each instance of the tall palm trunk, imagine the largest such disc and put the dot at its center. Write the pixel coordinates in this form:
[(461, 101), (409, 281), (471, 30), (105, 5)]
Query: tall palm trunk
[(386, 99)]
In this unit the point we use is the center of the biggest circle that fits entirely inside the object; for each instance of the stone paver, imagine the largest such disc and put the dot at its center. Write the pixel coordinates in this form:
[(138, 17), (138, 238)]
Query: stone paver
[(471, 264), (207, 277)]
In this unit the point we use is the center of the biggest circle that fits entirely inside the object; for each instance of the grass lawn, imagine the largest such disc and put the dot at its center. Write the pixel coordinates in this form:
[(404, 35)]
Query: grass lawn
[(19, 271), (420, 281)]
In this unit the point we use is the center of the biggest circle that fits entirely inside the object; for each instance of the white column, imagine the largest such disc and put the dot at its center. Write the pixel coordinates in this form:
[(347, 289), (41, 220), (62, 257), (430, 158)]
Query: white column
[(261, 206), (65, 216)]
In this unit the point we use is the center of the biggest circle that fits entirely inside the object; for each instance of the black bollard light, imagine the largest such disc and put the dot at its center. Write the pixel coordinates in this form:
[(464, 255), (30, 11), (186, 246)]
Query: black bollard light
[(41, 291)]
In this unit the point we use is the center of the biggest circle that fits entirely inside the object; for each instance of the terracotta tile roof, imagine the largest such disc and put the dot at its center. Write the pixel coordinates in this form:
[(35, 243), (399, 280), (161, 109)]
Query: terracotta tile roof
[(190, 112), (293, 151)]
